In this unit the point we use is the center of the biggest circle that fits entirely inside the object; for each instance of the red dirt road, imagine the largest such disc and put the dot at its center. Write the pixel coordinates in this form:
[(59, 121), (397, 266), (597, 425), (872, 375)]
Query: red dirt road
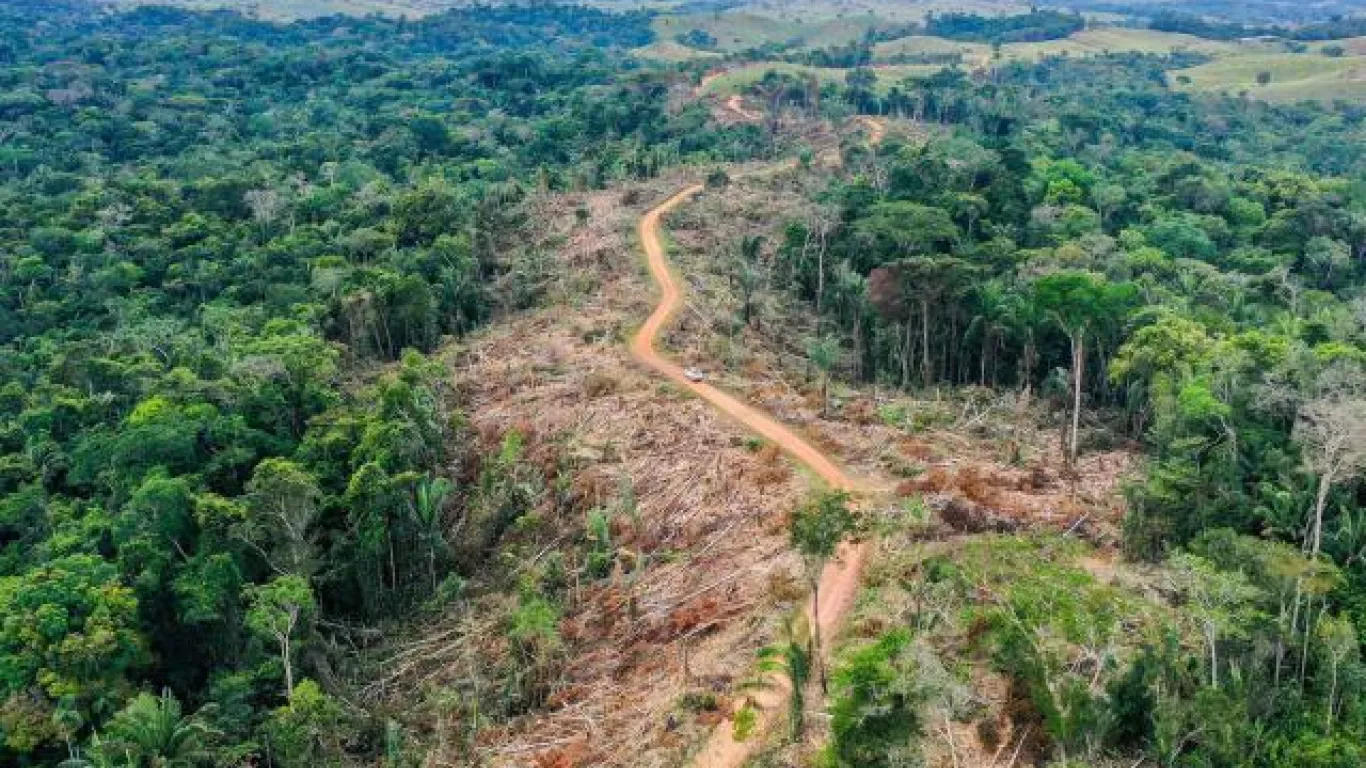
[(840, 581)]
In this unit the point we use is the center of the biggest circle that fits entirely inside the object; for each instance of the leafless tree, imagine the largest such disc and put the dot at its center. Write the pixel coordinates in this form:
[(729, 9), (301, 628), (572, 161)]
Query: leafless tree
[(1331, 430), (265, 205)]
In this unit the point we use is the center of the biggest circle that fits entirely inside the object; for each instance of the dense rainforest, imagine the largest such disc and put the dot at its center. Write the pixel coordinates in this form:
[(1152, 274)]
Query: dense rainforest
[(225, 247), (1182, 273)]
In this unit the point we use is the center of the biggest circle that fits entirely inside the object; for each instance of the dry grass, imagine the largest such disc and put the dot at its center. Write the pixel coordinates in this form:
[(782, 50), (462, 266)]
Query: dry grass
[(672, 51)]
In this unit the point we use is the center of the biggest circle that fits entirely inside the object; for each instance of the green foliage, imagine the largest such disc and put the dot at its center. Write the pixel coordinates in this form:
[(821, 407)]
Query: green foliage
[(744, 723), (152, 731), (874, 717), (226, 247), (308, 730), (790, 658), (821, 524), (279, 610), (69, 634), (600, 553), (1025, 27), (534, 631)]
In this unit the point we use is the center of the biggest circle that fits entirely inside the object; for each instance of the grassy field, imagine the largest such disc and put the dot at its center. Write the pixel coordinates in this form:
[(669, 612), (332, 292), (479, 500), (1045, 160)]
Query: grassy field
[(1088, 42), (817, 23), (735, 31), (1306, 75), (897, 11), (671, 51), (1294, 77)]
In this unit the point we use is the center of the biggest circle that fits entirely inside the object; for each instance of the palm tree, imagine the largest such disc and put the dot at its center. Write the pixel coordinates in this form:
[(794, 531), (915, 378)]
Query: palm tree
[(151, 732), (990, 323), (429, 500), (824, 353), (791, 658)]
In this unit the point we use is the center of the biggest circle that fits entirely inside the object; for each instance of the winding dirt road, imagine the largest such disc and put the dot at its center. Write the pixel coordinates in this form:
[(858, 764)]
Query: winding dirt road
[(840, 580)]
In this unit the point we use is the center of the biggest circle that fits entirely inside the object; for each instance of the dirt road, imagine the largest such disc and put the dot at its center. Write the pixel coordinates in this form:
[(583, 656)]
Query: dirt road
[(840, 580), (736, 104), (671, 300)]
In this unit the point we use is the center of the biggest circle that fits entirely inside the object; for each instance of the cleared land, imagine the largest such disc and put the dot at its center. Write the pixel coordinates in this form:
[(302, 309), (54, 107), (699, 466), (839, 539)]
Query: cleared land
[(1292, 77), (1089, 42), (737, 31), (888, 10), (811, 23), (672, 51)]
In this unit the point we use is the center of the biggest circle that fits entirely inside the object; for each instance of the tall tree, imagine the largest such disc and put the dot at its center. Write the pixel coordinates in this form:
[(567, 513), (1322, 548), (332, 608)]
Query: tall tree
[(817, 529), (1331, 430), (1081, 303), (283, 498), (278, 611)]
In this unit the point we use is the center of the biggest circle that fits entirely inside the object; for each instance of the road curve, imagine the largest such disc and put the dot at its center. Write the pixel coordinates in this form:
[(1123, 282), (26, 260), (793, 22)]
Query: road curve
[(840, 579), (671, 300)]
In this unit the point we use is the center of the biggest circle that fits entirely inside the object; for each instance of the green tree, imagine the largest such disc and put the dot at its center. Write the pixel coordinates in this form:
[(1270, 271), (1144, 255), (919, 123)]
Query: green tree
[(68, 631), (875, 715), (1081, 303), (308, 731), (817, 529), (283, 498), (278, 611), (747, 275), (430, 496), (824, 353), (152, 732), (1222, 601), (923, 282), (791, 658)]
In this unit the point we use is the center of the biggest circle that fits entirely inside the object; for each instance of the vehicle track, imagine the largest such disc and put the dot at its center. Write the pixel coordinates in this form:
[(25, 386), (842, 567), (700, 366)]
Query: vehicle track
[(839, 581)]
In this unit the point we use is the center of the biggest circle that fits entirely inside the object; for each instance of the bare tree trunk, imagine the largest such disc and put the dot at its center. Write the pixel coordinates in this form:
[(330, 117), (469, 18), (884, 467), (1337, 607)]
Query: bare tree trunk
[(1078, 363), (820, 285), (1309, 623), (925, 342), (289, 665), (1320, 504), (1213, 657), (860, 371), (906, 356), (816, 630), (982, 363), (1332, 696)]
